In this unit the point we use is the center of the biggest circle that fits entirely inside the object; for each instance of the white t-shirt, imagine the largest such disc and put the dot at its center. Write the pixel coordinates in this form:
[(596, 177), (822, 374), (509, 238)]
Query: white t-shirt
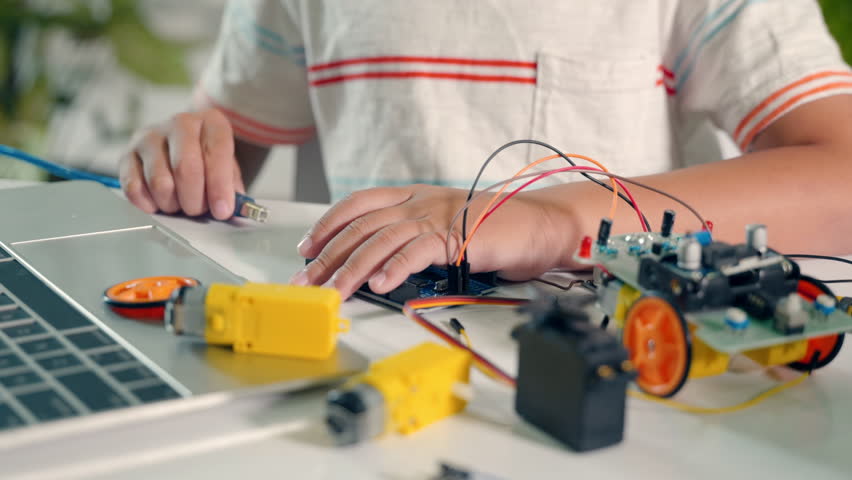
[(413, 91)]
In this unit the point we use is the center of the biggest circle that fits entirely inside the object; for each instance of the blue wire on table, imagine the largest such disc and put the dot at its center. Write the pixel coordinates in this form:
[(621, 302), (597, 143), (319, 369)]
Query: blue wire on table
[(244, 205), (56, 169)]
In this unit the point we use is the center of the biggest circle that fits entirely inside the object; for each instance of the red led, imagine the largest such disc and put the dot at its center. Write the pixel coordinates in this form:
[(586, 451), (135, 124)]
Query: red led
[(586, 247), (709, 225)]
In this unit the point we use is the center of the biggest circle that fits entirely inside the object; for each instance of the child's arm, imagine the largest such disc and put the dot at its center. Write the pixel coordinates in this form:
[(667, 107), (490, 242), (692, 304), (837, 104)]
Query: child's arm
[(795, 181)]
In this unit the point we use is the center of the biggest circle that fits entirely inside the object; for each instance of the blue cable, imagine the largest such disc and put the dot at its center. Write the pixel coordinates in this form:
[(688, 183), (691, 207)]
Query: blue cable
[(244, 205), (56, 169)]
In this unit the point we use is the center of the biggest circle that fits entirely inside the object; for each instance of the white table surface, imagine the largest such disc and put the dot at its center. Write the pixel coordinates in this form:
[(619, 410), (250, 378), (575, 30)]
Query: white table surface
[(805, 432)]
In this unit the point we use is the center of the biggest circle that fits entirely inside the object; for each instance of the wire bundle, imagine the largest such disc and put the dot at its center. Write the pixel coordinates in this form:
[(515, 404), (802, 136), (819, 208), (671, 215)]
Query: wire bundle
[(482, 364)]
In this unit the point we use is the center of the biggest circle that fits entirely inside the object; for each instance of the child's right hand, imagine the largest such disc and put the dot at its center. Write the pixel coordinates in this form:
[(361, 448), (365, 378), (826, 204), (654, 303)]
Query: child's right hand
[(186, 164), (382, 235)]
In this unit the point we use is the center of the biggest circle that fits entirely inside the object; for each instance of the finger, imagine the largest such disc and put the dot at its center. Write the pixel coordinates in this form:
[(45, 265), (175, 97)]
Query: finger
[(132, 180), (217, 146), (369, 257), (347, 210), (154, 154), (239, 185), (417, 255), (187, 163), (339, 248)]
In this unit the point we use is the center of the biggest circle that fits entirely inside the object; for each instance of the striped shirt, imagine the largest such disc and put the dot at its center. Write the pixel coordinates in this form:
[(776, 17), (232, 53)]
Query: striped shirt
[(409, 91)]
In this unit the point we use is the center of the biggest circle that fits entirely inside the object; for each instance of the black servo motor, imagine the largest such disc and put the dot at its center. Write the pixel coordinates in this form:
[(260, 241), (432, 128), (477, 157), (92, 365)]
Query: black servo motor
[(572, 376)]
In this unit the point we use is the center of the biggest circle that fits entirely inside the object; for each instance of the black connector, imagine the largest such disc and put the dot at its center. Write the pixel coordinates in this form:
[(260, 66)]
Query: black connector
[(458, 278), (456, 325), (603, 231), (668, 223)]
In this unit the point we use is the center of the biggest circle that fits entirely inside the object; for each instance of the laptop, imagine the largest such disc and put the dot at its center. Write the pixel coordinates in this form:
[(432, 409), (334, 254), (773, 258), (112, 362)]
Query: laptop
[(64, 354)]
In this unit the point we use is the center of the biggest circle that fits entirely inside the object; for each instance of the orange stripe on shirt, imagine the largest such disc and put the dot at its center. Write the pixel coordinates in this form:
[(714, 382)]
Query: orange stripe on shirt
[(764, 104), (786, 106)]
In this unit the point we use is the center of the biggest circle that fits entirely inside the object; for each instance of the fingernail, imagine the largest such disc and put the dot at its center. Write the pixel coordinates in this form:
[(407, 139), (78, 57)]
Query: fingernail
[(304, 245), (378, 280), (221, 210), (300, 279)]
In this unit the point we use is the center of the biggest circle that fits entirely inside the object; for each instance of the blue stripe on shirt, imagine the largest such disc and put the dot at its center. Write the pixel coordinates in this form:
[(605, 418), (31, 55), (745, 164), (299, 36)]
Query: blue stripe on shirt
[(709, 18), (681, 79), (264, 38)]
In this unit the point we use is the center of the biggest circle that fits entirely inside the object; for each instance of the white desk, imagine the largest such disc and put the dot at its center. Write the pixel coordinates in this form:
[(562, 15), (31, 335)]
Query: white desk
[(802, 433)]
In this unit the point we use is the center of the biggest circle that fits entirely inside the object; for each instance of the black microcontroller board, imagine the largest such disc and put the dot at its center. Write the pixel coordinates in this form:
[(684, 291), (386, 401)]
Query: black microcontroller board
[(432, 282)]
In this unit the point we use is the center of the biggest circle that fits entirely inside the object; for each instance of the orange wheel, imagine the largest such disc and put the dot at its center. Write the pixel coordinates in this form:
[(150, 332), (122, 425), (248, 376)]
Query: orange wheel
[(144, 298), (656, 337), (828, 346)]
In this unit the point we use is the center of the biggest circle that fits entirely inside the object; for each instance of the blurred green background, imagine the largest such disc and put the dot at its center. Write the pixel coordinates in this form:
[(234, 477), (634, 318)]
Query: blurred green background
[(38, 83), (838, 16)]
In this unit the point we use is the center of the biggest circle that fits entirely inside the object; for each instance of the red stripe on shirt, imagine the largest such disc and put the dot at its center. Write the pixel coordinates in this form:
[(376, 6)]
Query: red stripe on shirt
[(436, 75), (409, 59)]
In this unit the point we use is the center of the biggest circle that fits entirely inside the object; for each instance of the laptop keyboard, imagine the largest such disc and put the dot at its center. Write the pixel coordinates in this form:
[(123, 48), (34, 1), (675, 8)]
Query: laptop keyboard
[(55, 363)]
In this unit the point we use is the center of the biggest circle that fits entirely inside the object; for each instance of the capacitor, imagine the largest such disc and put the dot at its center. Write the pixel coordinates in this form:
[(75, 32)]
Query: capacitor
[(689, 254), (756, 237)]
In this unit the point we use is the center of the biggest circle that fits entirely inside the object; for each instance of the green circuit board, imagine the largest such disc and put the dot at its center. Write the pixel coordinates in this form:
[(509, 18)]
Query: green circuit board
[(621, 259)]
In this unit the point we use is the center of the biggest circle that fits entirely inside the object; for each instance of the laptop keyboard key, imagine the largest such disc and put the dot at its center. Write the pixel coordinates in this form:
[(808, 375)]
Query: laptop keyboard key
[(90, 340), (20, 379), (155, 393), (8, 417), (10, 360), (111, 358), (93, 391), (40, 346), (35, 294), (133, 374), (46, 405), (59, 361), (5, 300), (12, 315), (25, 330)]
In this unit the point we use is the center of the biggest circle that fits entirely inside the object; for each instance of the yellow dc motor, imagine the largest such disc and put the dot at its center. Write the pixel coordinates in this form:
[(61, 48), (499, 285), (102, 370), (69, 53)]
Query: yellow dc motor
[(402, 393), (285, 320)]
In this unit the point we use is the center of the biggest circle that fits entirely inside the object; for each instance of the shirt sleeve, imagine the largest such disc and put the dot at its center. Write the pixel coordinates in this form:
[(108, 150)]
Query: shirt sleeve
[(256, 74), (746, 63)]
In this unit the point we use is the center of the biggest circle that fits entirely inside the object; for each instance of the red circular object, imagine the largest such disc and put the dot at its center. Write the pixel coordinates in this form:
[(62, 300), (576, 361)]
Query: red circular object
[(709, 225), (586, 247), (145, 298)]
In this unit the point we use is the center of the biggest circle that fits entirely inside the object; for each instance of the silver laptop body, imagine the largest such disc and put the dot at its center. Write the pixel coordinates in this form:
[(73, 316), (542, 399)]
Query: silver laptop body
[(64, 353)]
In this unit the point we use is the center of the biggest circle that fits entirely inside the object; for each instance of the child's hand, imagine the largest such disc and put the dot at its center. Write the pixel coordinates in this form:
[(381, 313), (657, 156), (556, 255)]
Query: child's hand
[(186, 164), (382, 235)]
